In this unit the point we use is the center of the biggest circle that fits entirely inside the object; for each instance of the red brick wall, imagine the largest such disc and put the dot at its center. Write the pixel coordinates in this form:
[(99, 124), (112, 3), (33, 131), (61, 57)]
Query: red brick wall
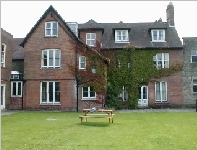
[(7, 39), (34, 74), (174, 84)]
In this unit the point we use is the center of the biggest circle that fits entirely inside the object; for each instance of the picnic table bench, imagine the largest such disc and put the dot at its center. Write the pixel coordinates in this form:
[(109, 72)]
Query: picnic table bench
[(107, 114)]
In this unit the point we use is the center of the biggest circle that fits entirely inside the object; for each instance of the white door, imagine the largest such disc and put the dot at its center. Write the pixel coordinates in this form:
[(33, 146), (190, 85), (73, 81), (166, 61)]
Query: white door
[(143, 96), (2, 96)]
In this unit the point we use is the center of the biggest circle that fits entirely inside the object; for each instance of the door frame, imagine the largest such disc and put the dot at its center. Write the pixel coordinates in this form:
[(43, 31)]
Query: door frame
[(141, 99)]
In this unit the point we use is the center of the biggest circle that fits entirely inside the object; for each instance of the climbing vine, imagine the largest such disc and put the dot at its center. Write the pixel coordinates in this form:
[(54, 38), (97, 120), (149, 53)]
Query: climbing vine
[(132, 68), (127, 67)]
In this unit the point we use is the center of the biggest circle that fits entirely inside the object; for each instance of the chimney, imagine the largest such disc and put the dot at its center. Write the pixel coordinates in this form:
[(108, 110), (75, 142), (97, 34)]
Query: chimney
[(170, 14)]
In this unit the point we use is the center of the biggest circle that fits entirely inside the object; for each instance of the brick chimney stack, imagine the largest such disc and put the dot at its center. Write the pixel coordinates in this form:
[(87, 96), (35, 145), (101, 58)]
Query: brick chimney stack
[(170, 14)]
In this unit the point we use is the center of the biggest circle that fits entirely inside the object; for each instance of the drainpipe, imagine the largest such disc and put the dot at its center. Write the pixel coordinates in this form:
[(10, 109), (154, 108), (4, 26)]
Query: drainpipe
[(24, 81)]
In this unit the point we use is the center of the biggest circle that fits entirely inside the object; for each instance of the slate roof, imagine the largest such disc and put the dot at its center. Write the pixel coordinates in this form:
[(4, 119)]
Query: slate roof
[(18, 51), (139, 34)]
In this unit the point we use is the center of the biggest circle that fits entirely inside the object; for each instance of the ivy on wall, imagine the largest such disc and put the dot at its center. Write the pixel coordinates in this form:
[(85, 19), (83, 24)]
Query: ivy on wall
[(127, 67), (132, 68)]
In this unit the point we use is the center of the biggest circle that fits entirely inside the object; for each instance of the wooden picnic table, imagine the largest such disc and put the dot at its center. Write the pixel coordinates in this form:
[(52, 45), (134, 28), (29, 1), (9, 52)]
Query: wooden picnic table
[(86, 114)]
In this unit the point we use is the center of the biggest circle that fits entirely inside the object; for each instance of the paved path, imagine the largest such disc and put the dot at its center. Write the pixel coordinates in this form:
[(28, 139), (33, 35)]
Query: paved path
[(9, 112)]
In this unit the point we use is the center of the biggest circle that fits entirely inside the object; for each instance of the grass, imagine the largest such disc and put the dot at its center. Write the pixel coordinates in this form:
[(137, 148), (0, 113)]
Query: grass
[(130, 131)]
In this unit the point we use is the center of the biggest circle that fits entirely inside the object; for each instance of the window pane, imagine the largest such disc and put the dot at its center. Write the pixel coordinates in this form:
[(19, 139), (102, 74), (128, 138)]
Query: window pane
[(124, 33), (82, 59), (158, 94), (57, 93), (44, 92), (92, 94), (55, 25), (48, 25), (154, 35), (50, 91), (54, 31), (57, 54), (166, 64), (119, 33), (194, 58), (193, 52), (93, 36), (195, 88), (19, 88), (57, 62), (14, 88), (85, 91), (50, 53), (166, 56), (48, 32)]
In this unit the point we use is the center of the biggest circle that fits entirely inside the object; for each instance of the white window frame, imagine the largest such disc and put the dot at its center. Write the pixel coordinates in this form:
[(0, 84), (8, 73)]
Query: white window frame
[(161, 92), (194, 83), (158, 35), (48, 59), (124, 94), (121, 40), (51, 29), (42, 95), (80, 62), (164, 62), (89, 90), (3, 53), (17, 88), (92, 39), (193, 55)]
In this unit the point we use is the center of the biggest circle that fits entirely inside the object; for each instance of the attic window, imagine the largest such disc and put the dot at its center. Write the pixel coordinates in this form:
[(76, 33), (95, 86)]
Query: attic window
[(158, 35), (51, 29), (121, 36)]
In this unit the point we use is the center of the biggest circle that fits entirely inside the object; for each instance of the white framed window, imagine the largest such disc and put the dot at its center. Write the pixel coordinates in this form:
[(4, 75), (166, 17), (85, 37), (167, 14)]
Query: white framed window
[(49, 92), (3, 52), (51, 29), (88, 93), (93, 66), (82, 62), (194, 85), (51, 58), (161, 60), (124, 94), (16, 89), (161, 91), (158, 35), (91, 39), (121, 36), (128, 65), (193, 56)]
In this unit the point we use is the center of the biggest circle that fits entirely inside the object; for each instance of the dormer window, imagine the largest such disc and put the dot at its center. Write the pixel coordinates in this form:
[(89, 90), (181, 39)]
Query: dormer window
[(91, 39), (158, 35), (121, 36), (51, 29)]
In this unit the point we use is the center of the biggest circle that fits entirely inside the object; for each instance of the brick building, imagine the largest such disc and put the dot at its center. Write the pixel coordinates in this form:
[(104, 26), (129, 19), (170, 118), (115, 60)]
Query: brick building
[(6, 67), (44, 54)]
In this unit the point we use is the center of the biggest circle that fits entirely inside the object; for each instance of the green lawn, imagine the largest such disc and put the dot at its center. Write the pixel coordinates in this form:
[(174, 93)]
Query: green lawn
[(130, 131)]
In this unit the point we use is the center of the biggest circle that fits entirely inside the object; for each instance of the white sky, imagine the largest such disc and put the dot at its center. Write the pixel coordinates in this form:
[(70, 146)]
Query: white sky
[(18, 17)]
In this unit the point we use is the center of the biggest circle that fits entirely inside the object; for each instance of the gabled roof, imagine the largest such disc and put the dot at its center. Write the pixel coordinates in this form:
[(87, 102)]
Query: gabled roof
[(18, 51), (40, 20), (139, 35), (70, 32)]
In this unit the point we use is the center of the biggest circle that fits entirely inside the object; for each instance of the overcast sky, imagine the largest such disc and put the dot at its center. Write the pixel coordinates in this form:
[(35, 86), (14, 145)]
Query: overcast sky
[(18, 17)]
